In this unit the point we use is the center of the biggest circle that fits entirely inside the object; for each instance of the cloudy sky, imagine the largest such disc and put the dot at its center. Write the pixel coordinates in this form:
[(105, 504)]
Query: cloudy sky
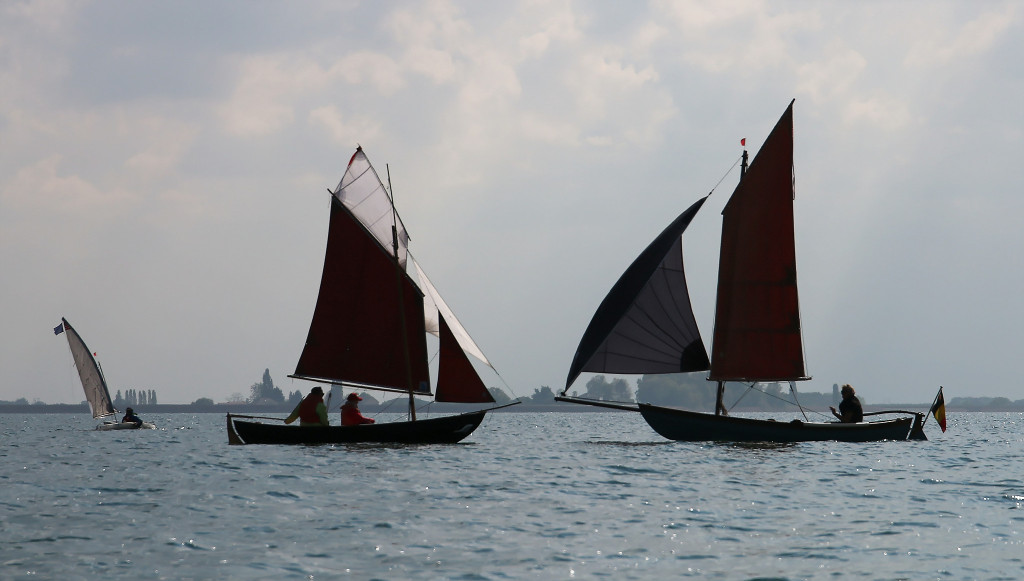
[(164, 165)]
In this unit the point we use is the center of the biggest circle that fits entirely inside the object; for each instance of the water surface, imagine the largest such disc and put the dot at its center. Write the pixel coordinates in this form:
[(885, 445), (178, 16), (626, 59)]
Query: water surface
[(527, 496)]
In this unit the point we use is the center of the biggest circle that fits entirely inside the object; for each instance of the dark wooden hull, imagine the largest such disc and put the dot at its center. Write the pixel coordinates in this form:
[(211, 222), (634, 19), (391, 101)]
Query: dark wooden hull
[(688, 426), (443, 430)]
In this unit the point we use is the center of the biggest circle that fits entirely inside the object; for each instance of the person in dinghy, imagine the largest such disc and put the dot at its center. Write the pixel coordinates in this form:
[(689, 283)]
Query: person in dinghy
[(311, 411), (850, 410), (350, 414), (131, 418)]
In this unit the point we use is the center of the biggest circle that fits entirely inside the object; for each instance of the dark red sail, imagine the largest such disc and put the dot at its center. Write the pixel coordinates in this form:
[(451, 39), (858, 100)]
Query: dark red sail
[(457, 381), (368, 325), (757, 333)]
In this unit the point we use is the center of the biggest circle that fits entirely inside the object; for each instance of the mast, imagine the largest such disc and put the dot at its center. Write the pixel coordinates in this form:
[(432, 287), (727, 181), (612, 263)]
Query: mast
[(401, 295), (720, 409)]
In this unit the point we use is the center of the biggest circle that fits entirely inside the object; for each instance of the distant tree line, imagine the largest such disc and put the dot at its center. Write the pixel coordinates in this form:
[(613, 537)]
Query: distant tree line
[(135, 397), (686, 390)]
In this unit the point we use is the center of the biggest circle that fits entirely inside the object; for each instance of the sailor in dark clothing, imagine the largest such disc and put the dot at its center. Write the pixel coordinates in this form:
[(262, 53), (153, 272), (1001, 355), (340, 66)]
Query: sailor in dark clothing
[(311, 411), (850, 410), (130, 417)]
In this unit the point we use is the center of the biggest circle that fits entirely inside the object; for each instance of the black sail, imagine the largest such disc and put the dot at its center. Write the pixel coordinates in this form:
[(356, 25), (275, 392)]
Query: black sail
[(645, 324)]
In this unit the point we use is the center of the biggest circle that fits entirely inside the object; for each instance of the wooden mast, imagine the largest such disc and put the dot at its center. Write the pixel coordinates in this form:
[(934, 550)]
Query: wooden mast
[(720, 409), (401, 297)]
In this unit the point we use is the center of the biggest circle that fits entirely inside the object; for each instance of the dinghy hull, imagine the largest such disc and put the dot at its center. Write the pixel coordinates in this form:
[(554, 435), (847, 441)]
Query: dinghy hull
[(443, 430), (688, 426)]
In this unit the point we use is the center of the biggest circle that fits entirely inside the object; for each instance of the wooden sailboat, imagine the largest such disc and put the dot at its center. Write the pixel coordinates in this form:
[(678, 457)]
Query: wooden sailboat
[(93, 381), (646, 323), (369, 328)]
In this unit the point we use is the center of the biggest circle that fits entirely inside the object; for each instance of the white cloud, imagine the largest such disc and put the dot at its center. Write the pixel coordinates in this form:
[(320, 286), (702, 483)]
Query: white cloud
[(378, 71), (165, 142), (837, 73), (343, 131), (513, 126), (267, 85), (942, 43)]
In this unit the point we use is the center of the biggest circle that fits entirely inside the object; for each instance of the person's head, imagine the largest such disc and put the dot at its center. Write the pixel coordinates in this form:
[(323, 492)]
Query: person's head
[(847, 391), (129, 411), (317, 391), (354, 398)]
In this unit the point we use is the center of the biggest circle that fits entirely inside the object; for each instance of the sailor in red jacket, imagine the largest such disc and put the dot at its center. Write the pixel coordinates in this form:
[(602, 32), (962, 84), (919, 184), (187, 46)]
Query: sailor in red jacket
[(350, 415)]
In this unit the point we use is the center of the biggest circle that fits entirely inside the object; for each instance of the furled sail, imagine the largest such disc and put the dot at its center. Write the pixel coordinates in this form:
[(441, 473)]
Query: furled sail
[(757, 333), (95, 386), (368, 324), (457, 381), (646, 324)]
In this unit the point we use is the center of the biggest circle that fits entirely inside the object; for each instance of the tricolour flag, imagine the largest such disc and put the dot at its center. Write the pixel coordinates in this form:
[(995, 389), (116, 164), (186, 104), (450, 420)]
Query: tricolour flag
[(939, 410), (58, 329)]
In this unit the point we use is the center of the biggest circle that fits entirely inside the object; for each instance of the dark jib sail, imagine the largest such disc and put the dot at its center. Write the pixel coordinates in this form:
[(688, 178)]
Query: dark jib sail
[(357, 328), (95, 386), (757, 319), (646, 323)]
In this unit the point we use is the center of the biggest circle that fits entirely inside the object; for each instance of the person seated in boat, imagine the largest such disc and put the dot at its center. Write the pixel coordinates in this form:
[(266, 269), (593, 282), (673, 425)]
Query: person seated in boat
[(350, 414), (311, 411), (131, 418), (850, 410)]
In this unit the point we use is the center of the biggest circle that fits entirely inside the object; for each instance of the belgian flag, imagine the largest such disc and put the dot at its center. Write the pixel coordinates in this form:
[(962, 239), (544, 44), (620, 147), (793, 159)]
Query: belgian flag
[(939, 410)]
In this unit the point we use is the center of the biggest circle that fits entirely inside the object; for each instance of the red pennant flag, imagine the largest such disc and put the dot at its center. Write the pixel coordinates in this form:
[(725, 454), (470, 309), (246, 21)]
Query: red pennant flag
[(743, 142)]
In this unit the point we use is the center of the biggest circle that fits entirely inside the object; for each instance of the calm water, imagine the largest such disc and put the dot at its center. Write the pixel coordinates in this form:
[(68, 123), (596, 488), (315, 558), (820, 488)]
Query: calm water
[(527, 496)]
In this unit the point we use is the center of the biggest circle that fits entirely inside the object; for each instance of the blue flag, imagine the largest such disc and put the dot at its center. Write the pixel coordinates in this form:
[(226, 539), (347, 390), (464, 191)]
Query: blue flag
[(58, 329)]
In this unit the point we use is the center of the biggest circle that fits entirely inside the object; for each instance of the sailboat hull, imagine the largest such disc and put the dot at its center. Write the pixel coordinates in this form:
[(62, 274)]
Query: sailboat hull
[(444, 430), (105, 426), (689, 426)]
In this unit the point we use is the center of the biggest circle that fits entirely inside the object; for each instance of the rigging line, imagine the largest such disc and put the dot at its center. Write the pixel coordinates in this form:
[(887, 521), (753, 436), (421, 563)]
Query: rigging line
[(725, 176), (389, 404), (753, 387)]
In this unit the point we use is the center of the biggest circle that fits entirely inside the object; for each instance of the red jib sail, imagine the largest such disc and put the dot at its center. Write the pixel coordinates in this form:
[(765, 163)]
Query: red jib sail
[(757, 333), (457, 381)]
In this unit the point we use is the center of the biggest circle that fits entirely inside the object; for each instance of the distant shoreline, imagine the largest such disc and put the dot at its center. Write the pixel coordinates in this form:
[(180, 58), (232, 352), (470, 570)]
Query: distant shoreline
[(437, 408)]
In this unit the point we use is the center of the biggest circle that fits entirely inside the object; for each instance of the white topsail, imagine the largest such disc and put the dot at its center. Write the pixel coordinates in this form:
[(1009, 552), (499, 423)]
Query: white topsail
[(362, 192)]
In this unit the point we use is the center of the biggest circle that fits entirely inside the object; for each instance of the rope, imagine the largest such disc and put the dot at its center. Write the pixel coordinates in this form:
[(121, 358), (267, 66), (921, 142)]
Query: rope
[(732, 167)]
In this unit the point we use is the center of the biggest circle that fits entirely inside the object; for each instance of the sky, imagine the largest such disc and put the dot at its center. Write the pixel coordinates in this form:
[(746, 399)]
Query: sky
[(164, 170)]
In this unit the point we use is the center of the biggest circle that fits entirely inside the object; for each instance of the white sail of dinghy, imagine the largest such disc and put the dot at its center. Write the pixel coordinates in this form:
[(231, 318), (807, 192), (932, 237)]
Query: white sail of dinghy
[(93, 382)]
